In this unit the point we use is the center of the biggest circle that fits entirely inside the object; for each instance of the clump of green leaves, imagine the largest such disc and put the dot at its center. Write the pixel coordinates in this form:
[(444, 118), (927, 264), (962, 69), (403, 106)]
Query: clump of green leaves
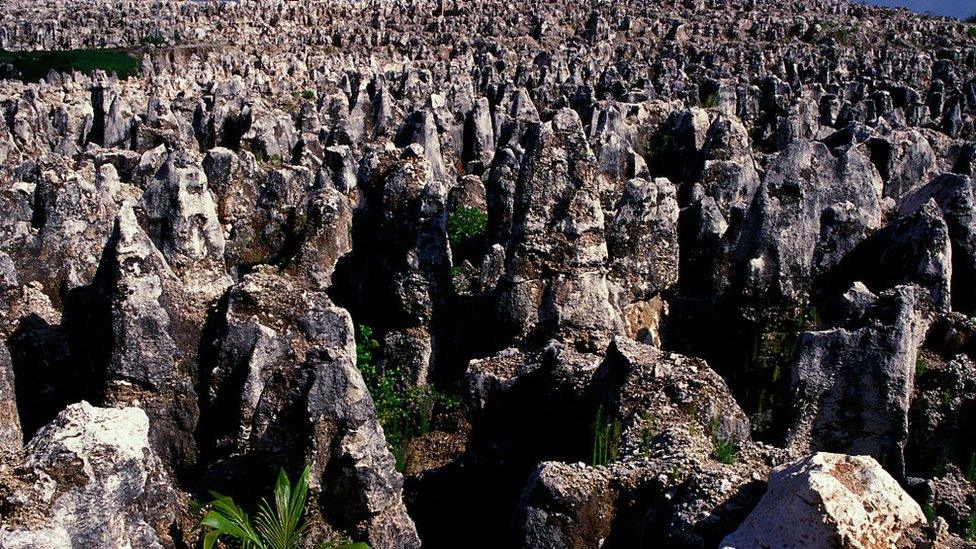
[(971, 530), (308, 94), (282, 526), (465, 223), (972, 32), (403, 408), (606, 438), (712, 101)]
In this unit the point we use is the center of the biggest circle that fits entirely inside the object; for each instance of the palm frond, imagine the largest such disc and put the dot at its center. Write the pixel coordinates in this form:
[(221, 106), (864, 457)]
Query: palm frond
[(283, 526), (228, 519)]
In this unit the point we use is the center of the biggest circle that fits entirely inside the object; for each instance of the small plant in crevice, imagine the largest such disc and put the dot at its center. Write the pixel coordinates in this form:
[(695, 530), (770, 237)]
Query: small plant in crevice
[(647, 435), (929, 511), (606, 438), (921, 367), (723, 450), (282, 526), (971, 468), (971, 529), (947, 397), (464, 224), (713, 100), (403, 408)]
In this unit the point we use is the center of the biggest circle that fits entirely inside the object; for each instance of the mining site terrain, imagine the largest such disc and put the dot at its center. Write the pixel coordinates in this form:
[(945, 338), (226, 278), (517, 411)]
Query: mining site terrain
[(562, 274)]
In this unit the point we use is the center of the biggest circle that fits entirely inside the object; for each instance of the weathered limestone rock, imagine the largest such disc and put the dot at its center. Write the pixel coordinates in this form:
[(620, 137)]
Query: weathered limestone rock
[(829, 500), (286, 388), (811, 209), (555, 283), (853, 385), (11, 437), (91, 479), (956, 196)]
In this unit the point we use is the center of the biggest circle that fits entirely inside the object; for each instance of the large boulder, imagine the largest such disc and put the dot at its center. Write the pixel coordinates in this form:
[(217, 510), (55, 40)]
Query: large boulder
[(91, 479), (811, 209), (830, 500)]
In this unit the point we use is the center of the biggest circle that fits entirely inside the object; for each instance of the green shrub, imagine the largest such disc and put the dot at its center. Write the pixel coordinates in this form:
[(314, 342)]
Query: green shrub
[(466, 223), (712, 101), (308, 94), (606, 438), (971, 468), (971, 530), (972, 32), (32, 66), (281, 527), (403, 408), (725, 451)]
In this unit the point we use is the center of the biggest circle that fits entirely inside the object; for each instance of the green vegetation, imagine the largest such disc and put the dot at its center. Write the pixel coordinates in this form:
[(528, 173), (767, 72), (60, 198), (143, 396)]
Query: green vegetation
[(606, 438), (971, 530), (971, 468), (659, 146), (972, 32), (947, 396), (308, 94), (920, 367), (647, 436), (403, 408), (32, 66), (929, 511), (280, 527), (466, 223), (712, 101), (723, 450)]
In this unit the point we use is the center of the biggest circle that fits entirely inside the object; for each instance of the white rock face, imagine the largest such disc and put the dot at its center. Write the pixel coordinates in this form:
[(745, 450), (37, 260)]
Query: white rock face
[(96, 484), (829, 500)]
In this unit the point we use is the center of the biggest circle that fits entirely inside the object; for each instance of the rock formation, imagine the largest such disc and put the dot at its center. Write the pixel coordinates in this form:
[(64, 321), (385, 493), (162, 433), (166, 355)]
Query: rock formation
[(594, 274)]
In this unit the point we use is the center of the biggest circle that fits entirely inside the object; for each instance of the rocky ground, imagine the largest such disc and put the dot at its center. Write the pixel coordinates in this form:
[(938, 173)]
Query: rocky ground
[(688, 273)]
